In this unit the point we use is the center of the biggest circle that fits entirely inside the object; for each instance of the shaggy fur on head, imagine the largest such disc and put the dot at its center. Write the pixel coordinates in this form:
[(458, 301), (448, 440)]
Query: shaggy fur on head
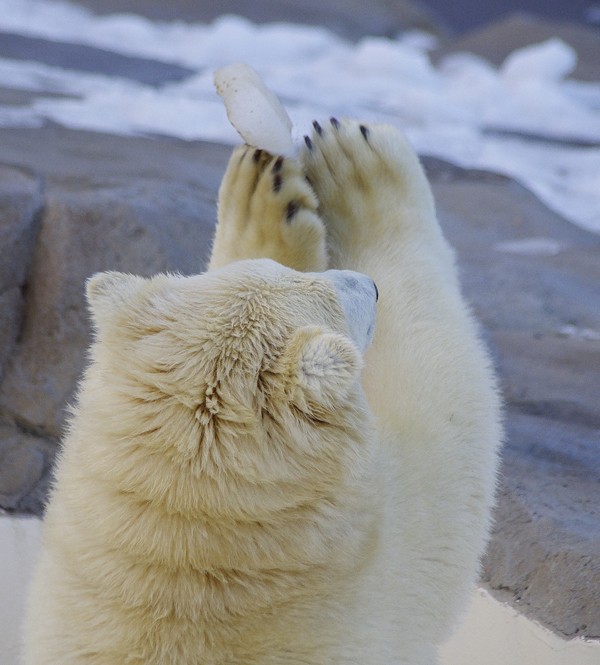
[(239, 484)]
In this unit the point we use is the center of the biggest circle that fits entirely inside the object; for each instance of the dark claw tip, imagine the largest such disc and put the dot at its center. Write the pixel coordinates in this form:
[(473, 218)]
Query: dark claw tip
[(277, 182), (292, 209), (335, 122), (308, 142), (278, 164), (364, 131), (318, 127), (256, 156)]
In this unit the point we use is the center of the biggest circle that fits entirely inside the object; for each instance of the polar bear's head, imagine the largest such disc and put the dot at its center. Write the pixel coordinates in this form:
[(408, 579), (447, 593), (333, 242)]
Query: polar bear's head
[(249, 372)]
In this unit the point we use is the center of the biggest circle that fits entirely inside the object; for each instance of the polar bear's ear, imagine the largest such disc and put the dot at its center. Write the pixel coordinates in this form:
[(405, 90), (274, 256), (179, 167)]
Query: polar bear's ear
[(323, 364), (107, 292)]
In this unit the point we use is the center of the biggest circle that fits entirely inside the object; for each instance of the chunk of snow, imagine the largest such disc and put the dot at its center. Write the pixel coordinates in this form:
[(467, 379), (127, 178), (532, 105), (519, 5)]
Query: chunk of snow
[(254, 110)]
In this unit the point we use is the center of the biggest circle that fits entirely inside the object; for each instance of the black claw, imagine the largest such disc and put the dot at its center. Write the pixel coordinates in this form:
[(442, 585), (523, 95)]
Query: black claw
[(278, 164), (308, 180), (335, 122), (365, 132), (277, 181), (292, 209), (256, 156), (318, 127), (308, 142)]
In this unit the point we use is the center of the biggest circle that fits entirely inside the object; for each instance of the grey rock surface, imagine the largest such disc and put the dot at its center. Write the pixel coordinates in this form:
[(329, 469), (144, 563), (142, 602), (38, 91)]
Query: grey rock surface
[(21, 201), (145, 227), (535, 307), (21, 466), (26, 463), (544, 557), (11, 315), (137, 205)]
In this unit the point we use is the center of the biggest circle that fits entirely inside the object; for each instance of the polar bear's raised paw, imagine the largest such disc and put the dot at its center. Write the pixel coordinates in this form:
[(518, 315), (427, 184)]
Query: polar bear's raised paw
[(267, 209), (364, 176)]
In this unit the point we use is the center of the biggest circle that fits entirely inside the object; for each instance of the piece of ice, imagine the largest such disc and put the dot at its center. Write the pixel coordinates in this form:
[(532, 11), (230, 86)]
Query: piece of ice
[(254, 110)]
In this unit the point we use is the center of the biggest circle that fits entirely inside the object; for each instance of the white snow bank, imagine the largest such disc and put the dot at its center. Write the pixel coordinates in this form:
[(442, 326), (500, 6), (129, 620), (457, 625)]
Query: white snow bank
[(464, 111)]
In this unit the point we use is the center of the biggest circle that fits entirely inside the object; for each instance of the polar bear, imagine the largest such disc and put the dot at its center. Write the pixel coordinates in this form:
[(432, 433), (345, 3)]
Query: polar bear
[(245, 480)]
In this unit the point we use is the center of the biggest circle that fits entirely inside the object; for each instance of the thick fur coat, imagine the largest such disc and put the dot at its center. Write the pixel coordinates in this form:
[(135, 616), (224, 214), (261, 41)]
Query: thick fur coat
[(242, 483)]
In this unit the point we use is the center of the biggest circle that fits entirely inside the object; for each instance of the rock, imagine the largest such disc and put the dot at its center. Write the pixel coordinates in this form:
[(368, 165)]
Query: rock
[(537, 295), (544, 557), (134, 204), (11, 314), (21, 466), (496, 41), (552, 377), (79, 159), (144, 228), (21, 202)]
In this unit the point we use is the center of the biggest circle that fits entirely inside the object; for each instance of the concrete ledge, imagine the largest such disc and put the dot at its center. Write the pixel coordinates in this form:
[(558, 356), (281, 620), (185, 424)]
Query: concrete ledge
[(20, 540), (493, 633)]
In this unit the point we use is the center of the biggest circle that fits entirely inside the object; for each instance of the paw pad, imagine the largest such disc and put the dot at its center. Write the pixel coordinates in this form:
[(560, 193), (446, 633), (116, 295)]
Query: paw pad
[(268, 209), (291, 210)]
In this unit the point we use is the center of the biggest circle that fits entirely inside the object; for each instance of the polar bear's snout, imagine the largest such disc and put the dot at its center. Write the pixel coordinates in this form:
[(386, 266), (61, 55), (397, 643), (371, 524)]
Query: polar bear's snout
[(358, 296)]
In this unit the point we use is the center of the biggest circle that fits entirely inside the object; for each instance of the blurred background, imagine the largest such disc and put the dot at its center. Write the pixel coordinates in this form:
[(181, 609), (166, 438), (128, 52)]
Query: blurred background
[(456, 17), (112, 146)]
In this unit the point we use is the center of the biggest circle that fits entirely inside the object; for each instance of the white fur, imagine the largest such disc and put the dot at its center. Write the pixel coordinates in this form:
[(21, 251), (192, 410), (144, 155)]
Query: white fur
[(227, 493)]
